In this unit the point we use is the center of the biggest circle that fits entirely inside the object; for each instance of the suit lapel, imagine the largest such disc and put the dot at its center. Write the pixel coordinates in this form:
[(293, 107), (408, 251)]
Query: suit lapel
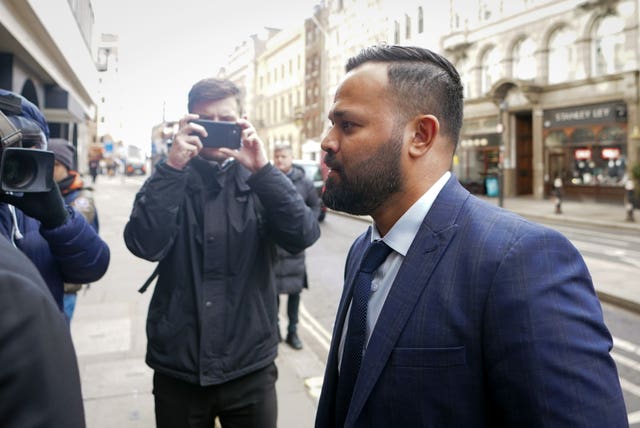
[(432, 239), (326, 404)]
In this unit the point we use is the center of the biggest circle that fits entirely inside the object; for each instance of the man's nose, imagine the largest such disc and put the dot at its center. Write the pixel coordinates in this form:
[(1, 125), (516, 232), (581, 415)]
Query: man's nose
[(329, 142)]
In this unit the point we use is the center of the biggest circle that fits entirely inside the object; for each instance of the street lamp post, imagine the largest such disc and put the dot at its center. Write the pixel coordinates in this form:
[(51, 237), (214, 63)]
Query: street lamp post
[(503, 108)]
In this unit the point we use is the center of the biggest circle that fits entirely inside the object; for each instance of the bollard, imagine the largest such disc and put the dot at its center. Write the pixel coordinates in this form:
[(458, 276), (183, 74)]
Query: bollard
[(629, 199), (557, 194)]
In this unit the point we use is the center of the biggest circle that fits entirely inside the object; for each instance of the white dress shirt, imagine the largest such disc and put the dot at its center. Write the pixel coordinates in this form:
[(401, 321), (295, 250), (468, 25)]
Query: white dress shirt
[(399, 238)]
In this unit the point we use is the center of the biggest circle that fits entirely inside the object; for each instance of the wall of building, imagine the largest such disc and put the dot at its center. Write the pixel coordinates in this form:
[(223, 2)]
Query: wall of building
[(280, 85), (47, 55), (494, 70)]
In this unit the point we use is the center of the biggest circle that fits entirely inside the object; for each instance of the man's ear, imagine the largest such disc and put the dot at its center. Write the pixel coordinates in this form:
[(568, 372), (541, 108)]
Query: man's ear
[(425, 132)]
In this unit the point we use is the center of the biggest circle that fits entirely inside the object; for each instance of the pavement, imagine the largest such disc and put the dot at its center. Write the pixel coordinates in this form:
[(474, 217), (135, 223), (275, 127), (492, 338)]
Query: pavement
[(109, 324), (622, 291)]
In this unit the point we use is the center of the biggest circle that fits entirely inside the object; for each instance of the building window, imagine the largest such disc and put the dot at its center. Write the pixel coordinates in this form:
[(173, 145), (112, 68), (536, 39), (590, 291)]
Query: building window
[(608, 46), (490, 69), (488, 10), (420, 20), (524, 59), (562, 57), (396, 32), (466, 75), (407, 27)]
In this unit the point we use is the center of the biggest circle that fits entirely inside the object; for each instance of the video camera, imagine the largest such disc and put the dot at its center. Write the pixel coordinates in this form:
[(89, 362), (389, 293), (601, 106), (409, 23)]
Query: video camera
[(22, 169)]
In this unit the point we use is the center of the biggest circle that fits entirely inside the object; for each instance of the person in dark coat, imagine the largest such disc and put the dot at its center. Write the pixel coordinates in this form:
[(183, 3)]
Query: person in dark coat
[(290, 268), (54, 236), (39, 377), (76, 195), (211, 217)]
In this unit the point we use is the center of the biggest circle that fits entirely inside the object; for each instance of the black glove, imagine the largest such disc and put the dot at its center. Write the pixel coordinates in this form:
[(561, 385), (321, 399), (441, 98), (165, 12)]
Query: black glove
[(46, 207)]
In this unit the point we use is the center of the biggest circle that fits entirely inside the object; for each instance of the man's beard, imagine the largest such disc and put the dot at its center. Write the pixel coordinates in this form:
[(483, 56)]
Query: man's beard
[(369, 183)]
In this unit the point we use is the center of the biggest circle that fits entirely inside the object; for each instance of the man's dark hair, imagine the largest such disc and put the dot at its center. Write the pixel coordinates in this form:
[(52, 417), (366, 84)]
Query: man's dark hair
[(212, 89), (422, 82)]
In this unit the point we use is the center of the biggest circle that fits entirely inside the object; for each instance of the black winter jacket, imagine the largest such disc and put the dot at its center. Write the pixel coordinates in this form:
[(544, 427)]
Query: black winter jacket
[(213, 314), (291, 272)]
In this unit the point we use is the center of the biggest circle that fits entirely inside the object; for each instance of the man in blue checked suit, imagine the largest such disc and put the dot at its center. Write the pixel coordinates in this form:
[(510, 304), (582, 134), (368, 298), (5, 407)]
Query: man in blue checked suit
[(477, 317)]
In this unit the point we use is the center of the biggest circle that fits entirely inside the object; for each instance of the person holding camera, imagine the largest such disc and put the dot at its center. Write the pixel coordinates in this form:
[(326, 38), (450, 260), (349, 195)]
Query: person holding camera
[(76, 195), (291, 272), (212, 215), (54, 236)]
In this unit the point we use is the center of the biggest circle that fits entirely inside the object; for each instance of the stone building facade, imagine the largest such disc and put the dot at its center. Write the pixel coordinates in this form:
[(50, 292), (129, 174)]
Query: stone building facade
[(551, 92)]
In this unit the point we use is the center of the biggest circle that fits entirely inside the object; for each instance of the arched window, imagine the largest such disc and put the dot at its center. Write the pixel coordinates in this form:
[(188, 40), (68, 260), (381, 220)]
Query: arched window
[(524, 59), (562, 55), (608, 46), (490, 69), (420, 20), (582, 135), (555, 139), (612, 134), (29, 92)]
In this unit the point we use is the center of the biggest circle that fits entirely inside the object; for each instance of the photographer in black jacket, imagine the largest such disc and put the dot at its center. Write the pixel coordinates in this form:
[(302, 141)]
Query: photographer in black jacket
[(212, 217)]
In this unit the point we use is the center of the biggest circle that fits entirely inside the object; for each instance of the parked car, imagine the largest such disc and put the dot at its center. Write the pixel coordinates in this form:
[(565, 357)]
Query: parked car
[(314, 172), (135, 162)]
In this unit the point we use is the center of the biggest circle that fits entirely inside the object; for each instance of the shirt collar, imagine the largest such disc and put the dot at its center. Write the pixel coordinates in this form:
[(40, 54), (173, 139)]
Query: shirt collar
[(401, 235)]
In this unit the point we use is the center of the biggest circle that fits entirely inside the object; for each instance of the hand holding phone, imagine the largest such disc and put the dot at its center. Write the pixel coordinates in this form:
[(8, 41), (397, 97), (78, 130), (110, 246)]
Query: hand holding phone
[(220, 134)]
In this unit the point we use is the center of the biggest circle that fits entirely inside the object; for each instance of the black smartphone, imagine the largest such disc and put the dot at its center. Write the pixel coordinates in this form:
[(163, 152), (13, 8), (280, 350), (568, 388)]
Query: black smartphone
[(220, 134)]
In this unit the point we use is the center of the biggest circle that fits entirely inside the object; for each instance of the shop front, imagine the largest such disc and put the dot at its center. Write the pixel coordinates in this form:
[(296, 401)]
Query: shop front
[(477, 161), (586, 147)]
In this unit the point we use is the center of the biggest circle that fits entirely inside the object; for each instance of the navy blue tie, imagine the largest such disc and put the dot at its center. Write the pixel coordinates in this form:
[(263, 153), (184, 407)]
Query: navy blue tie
[(357, 328)]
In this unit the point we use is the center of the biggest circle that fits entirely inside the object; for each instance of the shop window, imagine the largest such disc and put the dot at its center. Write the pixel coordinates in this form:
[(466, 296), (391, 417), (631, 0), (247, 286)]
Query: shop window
[(562, 57), (524, 59), (583, 166), (556, 139), (582, 135), (612, 134), (596, 164), (476, 160)]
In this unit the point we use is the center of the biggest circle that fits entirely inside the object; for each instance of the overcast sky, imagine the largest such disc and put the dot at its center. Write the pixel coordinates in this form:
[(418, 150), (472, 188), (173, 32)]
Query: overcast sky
[(166, 46)]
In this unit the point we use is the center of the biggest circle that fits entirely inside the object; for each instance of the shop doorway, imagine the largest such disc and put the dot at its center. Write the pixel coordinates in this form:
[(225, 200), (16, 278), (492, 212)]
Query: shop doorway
[(524, 154), (556, 169)]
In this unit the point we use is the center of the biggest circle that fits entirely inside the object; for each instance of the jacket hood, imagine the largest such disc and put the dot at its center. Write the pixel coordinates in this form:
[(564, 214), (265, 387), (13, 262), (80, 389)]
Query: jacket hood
[(30, 111), (297, 172)]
